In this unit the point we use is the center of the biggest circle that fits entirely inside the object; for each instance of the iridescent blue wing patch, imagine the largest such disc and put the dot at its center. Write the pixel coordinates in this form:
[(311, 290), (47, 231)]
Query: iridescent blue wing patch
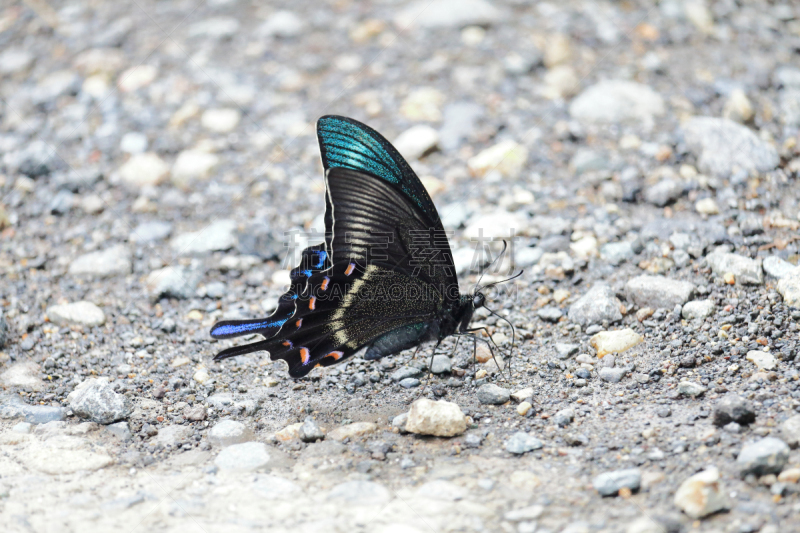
[(347, 143)]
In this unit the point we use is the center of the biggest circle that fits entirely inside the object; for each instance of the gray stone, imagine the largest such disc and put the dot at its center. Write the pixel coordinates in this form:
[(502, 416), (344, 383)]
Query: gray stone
[(690, 388), (16, 59), (173, 282), (491, 394), (612, 375), (789, 288), (406, 372), (664, 192), (148, 232), (550, 314), (565, 351), (310, 431), (596, 306), (216, 237), (441, 364), (245, 457), (525, 257), (12, 406), (733, 408), (564, 417), (722, 147), (790, 431), (776, 267), (697, 309), (120, 430), (229, 432), (617, 252), (615, 101), (531, 512), (745, 270), (3, 332), (587, 160), (110, 262), (609, 483), (765, 456), (95, 400), (172, 435), (658, 292), (360, 492), (62, 202), (447, 14), (409, 383), (521, 442)]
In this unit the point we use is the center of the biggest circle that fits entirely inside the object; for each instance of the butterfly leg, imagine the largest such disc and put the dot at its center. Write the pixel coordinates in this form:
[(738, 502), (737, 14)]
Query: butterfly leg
[(490, 344)]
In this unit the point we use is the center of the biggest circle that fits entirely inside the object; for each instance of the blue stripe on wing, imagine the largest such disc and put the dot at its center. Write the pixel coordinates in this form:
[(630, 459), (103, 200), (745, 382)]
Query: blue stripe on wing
[(235, 328)]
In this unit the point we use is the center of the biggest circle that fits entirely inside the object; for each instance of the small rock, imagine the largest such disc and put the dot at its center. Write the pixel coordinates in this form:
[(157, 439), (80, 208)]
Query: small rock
[(441, 419), (612, 375), (607, 342), (550, 314), (615, 101), (133, 142), (244, 457), (229, 432), (506, 157), (521, 442), (664, 192), (766, 456), (733, 408), (82, 313), (12, 406), (350, 431), (745, 270), (282, 24), (148, 232), (222, 120), (22, 374), (765, 361), (738, 107), (145, 169), (789, 288), (409, 383), (525, 514), (776, 267), (697, 309), (596, 306), (564, 417), (120, 430), (523, 408), (217, 237), (192, 165), (617, 252), (110, 262), (491, 394), (310, 431), (609, 483), (707, 206), (441, 364), (564, 351), (406, 372), (523, 394), (723, 147), (702, 494), (658, 291), (790, 431), (172, 282), (96, 400), (416, 141), (197, 413), (690, 388), (447, 14)]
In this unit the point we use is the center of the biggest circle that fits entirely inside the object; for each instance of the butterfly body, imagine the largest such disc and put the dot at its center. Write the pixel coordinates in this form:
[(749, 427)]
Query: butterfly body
[(383, 279)]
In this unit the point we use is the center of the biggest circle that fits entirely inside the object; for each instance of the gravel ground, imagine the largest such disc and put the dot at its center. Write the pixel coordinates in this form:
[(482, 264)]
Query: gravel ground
[(157, 157)]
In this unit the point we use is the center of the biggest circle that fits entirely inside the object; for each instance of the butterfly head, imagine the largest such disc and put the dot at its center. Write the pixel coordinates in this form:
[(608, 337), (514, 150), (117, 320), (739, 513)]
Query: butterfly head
[(478, 300)]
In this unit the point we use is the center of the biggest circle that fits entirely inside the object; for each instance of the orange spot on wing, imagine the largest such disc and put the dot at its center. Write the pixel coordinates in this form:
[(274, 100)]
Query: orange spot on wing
[(287, 343), (325, 282), (305, 355), (299, 323), (350, 268), (312, 303), (336, 355)]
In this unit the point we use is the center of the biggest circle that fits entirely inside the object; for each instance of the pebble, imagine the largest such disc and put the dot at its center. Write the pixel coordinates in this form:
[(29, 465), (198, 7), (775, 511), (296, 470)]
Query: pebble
[(697, 309), (113, 261), (406, 372), (658, 291), (14, 60), (216, 237), (172, 282), (615, 101), (145, 169), (416, 141), (149, 232), (707, 206), (351, 431), (423, 104), (612, 375), (523, 408), (532, 512), (598, 305), (738, 107), (23, 374), (120, 430), (733, 408), (136, 78), (223, 120), (282, 24), (229, 432), (564, 417), (491, 394), (617, 252), (523, 394), (507, 158), (441, 419), (790, 431), (409, 383), (776, 267), (244, 457), (12, 406), (690, 388), (192, 165), (745, 270), (610, 483), (722, 147), (702, 494), (83, 313), (133, 142), (618, 341), (789, 288), (765, 456), (360, 492), (441, 364), (664, 192), (447, 14), (521, 442), (310, 431), (196, 413), (96, 400), (550, 314), (564, 351), (765, 361)]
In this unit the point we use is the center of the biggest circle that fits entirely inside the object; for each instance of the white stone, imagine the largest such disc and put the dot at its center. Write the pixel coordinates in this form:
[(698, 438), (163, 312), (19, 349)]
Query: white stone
[(702, 494), (218, 236), (497, 225), (789, 288), (776, 267), (83, 313), (133, 142), (22, 374), (104, 264), (506, 157), (97, 401), (746, 271), (613, 101), (697, 309), (244, 457), (447, 14), (763, 360), (282, 24), (350, 431), (143, 169), (229, 432), (707, 206), (215, 28), (15, 59), (136, 78), (441, 419), (416, 141), (618, 341), (220, 120), (192, 165)]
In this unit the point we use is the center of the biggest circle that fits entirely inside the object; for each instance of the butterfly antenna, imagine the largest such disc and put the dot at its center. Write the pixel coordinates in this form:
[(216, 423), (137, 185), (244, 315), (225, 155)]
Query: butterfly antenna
[(505, 245), (492, 284)]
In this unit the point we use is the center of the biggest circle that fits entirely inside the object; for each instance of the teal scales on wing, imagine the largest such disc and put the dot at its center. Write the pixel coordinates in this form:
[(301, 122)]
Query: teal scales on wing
[(365, 286)]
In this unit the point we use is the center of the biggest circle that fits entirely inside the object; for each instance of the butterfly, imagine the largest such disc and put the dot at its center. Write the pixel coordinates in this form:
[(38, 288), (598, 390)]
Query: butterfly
[(383, 279)]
